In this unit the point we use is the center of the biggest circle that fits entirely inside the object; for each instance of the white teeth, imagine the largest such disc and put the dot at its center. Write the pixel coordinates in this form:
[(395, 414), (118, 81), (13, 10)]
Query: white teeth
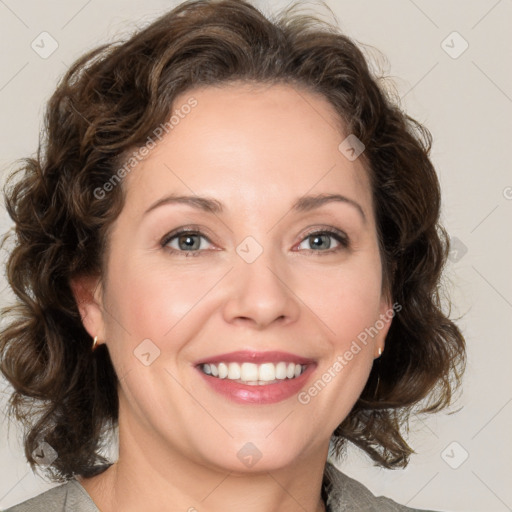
[(267, 372), (281, 371), (234, 371), (254, 374), (249, 371), (223, 370)]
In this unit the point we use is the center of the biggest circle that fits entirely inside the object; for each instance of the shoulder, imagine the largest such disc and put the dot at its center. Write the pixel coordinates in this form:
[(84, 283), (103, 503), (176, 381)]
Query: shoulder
[(67, 497), (344, 494)]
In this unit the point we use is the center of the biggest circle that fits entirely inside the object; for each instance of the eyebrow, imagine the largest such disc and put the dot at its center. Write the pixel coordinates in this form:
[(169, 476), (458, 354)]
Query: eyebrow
[(210, 205)]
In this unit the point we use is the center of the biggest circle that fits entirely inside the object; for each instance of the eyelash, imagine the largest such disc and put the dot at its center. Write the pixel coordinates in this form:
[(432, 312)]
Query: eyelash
[(339, 236)]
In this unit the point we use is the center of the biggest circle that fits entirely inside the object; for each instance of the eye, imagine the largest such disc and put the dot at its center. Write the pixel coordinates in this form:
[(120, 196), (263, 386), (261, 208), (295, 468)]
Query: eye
[(186, 242), (322, 240)]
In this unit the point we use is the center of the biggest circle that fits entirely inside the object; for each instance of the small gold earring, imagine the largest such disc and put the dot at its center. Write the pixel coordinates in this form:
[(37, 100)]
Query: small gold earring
[(380, 351), (95, 342)]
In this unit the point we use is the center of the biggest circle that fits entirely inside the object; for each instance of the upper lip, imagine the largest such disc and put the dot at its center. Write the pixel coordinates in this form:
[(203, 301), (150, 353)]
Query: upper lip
[(250, 356)]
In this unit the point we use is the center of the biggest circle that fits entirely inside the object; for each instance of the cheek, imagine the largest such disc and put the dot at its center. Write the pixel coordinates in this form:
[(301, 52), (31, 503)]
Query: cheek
[(152, 311), (152, 299), (348, 305), (347, 299)]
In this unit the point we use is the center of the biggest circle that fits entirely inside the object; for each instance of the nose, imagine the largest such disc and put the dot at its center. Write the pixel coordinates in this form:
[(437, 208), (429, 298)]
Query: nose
[(261, 293)]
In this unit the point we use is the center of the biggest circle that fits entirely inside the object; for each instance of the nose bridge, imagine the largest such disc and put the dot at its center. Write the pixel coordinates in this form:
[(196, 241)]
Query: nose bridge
[(260, 290)]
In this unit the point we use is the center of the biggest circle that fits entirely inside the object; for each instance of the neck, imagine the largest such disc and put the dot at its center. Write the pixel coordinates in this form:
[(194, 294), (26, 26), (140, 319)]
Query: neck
[(146, 478)]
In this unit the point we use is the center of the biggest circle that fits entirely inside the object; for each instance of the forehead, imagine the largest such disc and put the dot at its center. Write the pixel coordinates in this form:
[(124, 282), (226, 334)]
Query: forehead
[(247, 144)]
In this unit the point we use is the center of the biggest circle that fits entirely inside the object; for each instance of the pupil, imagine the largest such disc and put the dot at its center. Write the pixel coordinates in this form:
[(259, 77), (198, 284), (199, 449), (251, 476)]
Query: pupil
[(189, 241), (317, 239)]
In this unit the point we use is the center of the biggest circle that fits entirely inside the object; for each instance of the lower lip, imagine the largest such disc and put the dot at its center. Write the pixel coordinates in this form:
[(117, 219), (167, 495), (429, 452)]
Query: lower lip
[(265, 394)]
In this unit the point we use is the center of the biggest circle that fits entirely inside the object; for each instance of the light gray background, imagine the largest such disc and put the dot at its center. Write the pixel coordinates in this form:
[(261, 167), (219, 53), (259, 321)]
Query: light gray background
[(467, 104)]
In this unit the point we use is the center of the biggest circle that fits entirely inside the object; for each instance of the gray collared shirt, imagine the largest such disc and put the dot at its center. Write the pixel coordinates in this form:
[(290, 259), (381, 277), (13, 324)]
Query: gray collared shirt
[(344, 494)]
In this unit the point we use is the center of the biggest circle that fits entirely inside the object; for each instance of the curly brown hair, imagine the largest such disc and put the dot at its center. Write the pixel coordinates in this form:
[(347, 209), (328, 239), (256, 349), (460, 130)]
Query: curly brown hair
[(106, 106)]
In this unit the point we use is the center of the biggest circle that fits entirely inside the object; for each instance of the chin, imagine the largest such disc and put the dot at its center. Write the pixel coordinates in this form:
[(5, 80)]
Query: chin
[(252, 455)]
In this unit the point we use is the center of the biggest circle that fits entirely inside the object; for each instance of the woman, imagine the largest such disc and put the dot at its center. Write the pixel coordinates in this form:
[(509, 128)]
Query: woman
[(229, 249)]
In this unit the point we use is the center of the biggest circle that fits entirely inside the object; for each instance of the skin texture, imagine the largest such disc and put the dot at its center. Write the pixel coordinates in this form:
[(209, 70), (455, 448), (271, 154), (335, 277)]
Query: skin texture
[(256, 149)]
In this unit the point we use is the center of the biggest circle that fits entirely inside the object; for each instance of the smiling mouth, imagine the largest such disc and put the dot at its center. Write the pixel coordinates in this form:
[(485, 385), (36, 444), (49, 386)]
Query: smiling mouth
[(254, 374)]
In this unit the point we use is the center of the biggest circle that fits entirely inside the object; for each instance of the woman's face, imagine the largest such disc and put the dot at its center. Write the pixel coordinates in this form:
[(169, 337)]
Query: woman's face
[(268, 284)]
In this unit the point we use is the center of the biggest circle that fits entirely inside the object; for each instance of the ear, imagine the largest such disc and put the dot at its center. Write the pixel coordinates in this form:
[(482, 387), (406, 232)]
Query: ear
[(387, 311), (87, 291)]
